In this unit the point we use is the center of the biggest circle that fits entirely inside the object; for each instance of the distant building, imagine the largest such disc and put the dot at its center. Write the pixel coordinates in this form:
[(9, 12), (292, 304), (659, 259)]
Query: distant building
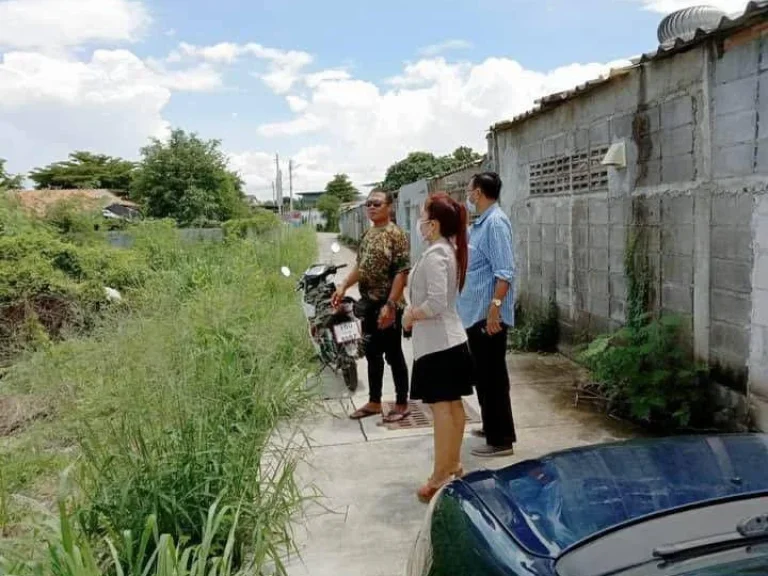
[(309, 199)]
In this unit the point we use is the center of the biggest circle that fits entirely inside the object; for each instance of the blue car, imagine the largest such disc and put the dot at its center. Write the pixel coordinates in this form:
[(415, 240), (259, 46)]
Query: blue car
[(693, 506)]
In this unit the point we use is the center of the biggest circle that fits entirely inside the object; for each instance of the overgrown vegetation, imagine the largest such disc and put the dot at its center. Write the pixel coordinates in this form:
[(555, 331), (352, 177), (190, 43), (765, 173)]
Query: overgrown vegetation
[(188, 179), (260, 222), (418, 165), (646, 370), (53, 272), (85, 170), (536, 328), (166, 408)]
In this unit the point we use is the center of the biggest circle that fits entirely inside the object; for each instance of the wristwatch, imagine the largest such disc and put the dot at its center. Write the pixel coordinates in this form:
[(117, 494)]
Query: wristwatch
[(391, 304), (496, 302)]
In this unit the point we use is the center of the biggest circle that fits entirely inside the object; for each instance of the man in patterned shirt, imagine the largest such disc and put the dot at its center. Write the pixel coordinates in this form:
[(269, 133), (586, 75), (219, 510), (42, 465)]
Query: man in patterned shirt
[(382, 270)]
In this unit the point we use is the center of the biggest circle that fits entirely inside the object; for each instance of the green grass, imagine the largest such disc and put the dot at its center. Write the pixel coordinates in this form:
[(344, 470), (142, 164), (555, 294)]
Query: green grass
[(167, 410)]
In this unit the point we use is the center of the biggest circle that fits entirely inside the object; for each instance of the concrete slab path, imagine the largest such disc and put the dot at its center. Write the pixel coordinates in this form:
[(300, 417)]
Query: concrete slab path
[(368, 517)]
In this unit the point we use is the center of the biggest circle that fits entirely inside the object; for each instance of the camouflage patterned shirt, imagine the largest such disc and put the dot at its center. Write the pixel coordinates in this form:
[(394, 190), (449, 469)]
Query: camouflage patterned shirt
[(383, 254)]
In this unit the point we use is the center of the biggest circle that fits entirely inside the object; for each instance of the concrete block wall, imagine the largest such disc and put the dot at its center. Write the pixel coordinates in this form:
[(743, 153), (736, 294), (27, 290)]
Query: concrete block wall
[(695, 186), (758, 349)]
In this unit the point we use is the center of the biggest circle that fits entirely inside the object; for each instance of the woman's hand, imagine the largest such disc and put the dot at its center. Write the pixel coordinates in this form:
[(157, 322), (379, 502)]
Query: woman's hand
[(408, 319)]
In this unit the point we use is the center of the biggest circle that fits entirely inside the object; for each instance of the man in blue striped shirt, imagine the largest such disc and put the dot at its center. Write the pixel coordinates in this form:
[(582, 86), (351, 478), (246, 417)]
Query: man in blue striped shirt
[(486, 307)]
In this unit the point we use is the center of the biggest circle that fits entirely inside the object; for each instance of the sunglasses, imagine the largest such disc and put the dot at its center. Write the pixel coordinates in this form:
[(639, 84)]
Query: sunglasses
[(374, 204)]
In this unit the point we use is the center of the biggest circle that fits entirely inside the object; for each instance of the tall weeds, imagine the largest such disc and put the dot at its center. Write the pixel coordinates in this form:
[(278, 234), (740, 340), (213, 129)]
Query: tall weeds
[(172, 404)]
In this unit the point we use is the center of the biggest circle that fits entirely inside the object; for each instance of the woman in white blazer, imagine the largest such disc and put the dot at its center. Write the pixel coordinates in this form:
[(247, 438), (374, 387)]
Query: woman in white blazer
[(442, 371)]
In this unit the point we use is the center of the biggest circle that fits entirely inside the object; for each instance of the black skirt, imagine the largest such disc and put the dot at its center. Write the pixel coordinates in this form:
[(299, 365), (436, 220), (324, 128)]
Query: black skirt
[(443, 376)]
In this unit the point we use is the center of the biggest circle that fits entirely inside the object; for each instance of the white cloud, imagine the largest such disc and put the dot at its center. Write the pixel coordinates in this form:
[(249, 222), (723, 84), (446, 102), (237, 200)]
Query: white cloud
[(112, 103), (284, 67), (296, 103), (435, 49), (433, 105), (302, 125), (313, 80), (48, 24), (669, 6)]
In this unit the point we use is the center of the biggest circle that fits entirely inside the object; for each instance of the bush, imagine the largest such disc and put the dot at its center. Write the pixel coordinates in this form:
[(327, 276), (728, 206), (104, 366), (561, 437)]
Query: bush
[(53, 271), (173, 406), (644, 371), (261, 222), (536, 329)]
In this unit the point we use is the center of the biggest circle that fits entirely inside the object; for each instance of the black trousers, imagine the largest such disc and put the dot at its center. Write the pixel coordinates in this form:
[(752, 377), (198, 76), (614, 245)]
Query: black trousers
[(385, 344), (492, 384)]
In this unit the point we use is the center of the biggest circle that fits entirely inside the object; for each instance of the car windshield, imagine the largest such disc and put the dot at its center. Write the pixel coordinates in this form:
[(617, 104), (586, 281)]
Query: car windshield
[(749, 561), (748, 567), (552, 503)]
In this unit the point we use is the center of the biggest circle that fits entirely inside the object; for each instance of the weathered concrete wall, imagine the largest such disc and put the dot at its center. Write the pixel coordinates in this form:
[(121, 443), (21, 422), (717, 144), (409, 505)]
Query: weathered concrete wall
[(693, 189), (410, 198), (455, 183), (353, 222), (120, 239)]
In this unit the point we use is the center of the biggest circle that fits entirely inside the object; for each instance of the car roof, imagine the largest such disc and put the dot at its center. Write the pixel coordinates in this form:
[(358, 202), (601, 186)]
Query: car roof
[(554, 502)]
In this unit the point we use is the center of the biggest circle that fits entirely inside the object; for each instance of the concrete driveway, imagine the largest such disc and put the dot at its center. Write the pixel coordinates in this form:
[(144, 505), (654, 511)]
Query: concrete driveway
[(368, 517)]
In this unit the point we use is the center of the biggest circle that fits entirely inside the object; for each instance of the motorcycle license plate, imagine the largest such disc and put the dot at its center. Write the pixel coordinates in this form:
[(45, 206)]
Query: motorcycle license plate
[(347, 332)]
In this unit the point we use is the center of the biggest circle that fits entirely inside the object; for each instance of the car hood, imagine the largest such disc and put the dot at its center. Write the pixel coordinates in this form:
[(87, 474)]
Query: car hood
[(553, 502)]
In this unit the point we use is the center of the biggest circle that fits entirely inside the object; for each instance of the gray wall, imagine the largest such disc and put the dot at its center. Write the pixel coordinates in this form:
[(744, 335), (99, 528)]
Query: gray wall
[(353, 222), (409, 201), (693, 189), (124, 239)]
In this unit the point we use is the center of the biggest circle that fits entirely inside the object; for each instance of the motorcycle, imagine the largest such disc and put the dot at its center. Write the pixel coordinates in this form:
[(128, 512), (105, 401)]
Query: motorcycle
[(335, 332)]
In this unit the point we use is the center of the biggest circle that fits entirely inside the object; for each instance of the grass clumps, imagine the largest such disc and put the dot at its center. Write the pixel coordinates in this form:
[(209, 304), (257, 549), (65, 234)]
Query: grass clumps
[(167, 412)]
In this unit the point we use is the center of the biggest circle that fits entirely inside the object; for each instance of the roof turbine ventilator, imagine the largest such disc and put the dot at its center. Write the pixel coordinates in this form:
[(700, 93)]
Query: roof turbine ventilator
[(683, 24)]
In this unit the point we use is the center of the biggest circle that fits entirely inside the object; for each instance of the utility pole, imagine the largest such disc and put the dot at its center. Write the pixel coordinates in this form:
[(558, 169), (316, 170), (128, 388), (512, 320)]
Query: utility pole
[(274, 194), (279, 185), (290, 184)]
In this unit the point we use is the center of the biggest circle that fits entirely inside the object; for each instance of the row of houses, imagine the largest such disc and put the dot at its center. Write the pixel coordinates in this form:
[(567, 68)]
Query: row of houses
[(673, 150)]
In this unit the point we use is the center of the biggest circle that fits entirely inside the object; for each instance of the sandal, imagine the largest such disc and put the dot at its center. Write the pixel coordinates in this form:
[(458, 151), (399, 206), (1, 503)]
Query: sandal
[(364, 412), (395, 416), (428, 490)]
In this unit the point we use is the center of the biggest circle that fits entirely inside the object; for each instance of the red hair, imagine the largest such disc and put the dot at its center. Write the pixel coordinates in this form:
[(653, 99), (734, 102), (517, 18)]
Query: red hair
[(452, 217)]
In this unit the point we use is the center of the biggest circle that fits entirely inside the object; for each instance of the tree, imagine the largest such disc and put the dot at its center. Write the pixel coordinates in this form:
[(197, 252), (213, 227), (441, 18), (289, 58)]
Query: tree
[(341, 187), (9, 181), (85, 170), (189, 180), (463, 156), (329, 206), (418, 165)]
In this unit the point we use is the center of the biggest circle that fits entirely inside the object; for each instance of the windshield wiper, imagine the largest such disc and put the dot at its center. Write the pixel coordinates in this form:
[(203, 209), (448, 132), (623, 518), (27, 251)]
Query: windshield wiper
[(748, 531)]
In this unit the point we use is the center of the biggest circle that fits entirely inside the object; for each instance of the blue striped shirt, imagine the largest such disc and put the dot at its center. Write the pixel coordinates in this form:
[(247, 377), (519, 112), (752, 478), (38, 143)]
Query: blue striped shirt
[(490, 258)]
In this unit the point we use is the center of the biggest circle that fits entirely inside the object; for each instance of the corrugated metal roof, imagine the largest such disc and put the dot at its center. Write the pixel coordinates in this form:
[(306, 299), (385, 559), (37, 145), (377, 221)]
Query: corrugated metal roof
[(754, 12)]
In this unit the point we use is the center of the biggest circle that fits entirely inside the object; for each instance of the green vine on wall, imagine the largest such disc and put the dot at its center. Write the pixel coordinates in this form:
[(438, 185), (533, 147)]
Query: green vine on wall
[(637, 269), (644, 370)]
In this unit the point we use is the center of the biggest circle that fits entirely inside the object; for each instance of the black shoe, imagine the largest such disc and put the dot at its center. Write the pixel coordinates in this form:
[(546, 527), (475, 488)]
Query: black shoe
[(493, 451)]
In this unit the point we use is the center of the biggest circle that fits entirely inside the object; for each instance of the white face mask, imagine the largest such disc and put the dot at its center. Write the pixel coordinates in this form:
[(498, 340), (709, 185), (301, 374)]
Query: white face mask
[(471, 206), (422, 234)]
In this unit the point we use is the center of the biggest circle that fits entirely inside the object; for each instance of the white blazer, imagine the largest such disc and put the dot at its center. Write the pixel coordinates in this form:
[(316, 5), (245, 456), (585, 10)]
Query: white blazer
[(433, 288)]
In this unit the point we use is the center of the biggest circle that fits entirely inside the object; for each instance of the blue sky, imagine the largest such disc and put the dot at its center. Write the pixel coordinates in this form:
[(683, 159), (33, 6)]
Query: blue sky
[(338, 85)]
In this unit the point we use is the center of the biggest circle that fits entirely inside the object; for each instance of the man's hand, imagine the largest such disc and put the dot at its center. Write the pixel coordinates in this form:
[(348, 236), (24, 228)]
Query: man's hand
[(386, 316), (493, 322), (338, 296)]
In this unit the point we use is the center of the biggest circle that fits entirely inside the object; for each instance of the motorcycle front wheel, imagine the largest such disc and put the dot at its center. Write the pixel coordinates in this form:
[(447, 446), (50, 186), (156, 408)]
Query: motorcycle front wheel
[(349, 372)]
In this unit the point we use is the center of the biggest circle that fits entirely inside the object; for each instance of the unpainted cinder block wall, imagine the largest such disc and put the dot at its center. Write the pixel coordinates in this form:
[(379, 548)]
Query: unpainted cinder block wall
[(693, 190)]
